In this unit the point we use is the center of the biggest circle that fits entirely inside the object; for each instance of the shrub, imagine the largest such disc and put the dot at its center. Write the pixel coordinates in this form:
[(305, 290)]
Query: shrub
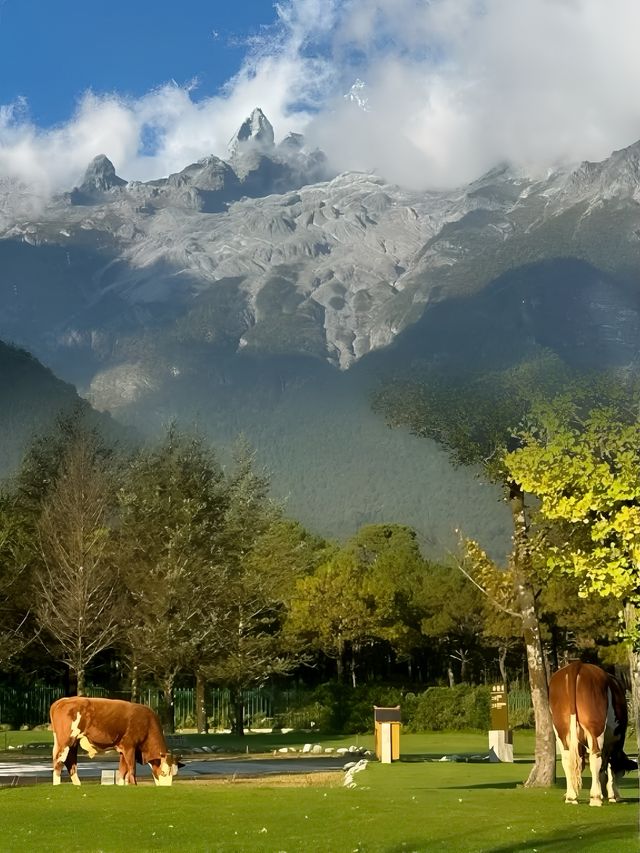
[(450, 708), (335, 707)]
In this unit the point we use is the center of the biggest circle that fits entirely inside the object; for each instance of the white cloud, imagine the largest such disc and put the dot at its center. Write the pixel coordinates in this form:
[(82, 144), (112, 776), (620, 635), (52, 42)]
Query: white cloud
[(453, 87)]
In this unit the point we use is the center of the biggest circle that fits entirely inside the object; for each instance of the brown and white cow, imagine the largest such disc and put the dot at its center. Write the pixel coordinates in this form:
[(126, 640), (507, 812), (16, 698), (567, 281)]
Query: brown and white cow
[(589, 712), (100, 724)]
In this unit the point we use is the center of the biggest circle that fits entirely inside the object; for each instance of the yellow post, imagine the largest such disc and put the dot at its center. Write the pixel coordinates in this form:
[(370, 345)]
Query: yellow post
[(387, 723)]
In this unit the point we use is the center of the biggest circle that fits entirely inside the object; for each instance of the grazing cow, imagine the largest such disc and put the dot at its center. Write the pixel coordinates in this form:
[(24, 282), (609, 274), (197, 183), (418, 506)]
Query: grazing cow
[(589, 713), (100, 724)]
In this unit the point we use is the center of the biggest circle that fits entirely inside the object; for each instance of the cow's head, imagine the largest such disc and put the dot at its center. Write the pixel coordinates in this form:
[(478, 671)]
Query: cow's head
[(165, 768)]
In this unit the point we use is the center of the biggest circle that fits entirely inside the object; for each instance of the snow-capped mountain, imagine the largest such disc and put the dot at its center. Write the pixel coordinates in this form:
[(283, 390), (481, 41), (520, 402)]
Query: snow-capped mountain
[(140, 291), (333, 267)]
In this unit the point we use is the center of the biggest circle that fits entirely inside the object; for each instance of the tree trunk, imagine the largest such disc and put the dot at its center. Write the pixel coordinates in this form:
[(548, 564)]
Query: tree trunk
[(502, 663), (237, 703), (631, 618), (169, 706), (202, 723), (451, 675), (543, 773), (352, 667), (135, 683), (80, 683), (340, 660), (464, 662)]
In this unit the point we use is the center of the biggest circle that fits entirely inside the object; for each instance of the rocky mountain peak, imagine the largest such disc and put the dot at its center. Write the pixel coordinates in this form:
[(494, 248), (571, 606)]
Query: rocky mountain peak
[(100, 175), (292, 142), (255, 131)]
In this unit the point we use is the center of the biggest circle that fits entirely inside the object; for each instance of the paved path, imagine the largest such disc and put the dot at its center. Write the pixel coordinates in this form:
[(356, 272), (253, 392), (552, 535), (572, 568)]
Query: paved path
[(36, 772)]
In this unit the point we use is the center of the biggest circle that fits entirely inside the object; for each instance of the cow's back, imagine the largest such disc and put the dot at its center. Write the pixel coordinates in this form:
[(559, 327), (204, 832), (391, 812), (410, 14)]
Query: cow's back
[(579, 691)]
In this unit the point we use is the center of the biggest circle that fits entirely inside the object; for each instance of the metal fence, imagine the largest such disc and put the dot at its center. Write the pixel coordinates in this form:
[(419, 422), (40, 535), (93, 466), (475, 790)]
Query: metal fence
[(30, 706), (263, 707)]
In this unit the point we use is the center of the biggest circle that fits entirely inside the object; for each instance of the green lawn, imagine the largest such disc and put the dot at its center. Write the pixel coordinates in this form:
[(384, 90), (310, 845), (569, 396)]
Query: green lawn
[(416, 804)]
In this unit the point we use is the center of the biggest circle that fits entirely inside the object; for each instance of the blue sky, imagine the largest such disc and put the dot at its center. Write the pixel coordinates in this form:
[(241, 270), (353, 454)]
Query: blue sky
[(452, 86), (51, 52)]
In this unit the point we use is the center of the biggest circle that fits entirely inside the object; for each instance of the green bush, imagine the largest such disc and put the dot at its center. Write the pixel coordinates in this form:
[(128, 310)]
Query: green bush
[(334, 707), (450, 708)]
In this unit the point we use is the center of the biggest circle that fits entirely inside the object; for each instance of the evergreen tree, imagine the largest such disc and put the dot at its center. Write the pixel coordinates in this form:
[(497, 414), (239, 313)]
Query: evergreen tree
[(172, 506), (262, 554)]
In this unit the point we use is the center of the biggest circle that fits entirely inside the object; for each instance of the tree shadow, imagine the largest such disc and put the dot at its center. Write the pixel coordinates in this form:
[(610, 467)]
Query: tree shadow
[(570, 839), (461, 758)]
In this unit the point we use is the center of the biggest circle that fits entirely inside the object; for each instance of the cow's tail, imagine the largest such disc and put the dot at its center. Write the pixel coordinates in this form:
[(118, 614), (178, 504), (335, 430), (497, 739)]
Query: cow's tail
[(574, 764)]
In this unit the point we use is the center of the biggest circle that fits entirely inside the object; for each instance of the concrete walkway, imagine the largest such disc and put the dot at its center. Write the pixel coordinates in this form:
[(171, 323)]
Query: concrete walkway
[(14, 773)]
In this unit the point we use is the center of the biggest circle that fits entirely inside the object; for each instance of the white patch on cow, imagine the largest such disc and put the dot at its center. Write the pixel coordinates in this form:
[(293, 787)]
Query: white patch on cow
[(571, 762), (63, 755), (75, 778), (56, 778), (86, 744), (165, 773), (75, 726)]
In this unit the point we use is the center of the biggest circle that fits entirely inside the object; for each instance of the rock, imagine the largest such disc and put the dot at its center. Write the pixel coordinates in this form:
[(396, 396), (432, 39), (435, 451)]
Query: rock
[(316, 749), (306, 747), (351, 769)]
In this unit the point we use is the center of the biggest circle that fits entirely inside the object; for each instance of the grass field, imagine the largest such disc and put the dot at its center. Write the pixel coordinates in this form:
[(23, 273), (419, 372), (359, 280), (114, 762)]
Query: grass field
[(417, 804)]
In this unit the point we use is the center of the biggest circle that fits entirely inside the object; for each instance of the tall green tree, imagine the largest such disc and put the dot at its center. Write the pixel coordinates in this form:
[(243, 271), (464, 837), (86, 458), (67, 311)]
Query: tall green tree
[(263, 553), (362, 594), (172, 504), (474, 419), (76, 588), (453, 616), (15, 600), (72, 450), (583, 467)]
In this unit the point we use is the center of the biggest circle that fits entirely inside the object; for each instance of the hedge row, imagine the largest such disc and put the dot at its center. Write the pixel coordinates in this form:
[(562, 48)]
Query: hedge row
[(338, 708)]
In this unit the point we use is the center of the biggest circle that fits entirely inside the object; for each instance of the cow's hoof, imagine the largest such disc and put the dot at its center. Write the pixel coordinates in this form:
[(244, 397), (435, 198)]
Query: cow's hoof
[(571, 802), (615, 799), (595, 801)]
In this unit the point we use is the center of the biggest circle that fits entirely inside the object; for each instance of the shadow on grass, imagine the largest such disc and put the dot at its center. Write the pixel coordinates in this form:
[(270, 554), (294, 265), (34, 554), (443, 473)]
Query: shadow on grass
[(606, 837), (461, 758), (569, 840)]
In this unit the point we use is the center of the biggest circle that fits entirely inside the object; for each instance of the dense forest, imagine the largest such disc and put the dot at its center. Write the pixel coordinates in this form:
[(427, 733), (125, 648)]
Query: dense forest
[(162, 566)]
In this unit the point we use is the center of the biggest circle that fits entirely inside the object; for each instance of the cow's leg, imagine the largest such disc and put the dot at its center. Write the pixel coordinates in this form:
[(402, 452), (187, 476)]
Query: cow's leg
[(59, 757), (122, 770), (568, 763), (609, 783), (596, 765), (611, 750), (71, 763), (127, 768)]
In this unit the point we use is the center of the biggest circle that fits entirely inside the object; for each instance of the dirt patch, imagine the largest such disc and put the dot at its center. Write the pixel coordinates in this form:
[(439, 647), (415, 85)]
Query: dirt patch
[(329, 779)]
